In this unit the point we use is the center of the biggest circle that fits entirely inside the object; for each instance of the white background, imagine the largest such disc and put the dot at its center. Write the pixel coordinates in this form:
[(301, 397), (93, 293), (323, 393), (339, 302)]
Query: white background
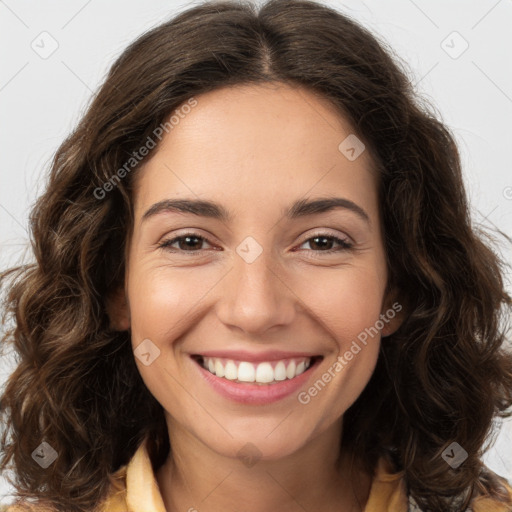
[(42, 99)]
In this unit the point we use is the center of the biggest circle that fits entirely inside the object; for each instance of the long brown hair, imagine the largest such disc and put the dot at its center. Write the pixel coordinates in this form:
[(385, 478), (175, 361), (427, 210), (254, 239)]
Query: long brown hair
[(443, 377)]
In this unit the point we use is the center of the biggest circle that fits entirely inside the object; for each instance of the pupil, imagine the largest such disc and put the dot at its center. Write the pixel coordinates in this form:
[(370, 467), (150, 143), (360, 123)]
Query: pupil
[(320, 238), (187, 240)]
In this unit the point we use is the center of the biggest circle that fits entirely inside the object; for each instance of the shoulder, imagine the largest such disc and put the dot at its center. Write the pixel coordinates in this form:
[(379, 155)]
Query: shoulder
[(114, 501), (389, 492), (24, 507), (488, 504), (482, 503), (16, 508)]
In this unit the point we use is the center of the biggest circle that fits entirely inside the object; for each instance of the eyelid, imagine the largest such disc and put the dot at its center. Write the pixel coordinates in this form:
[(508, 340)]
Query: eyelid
[(168, 241), (327, 233), (344, 242)]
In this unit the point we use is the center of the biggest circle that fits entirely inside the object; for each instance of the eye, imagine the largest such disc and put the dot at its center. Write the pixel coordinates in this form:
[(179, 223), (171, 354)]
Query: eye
[(188, 242), (192, 242), (325, 241)]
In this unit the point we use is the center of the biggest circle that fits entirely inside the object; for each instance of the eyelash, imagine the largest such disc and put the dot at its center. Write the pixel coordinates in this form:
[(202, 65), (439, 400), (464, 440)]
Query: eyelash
[(345, 245)]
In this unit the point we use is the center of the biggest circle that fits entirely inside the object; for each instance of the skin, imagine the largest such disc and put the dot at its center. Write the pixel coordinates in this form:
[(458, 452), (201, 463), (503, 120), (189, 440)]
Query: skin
[(256, 150)]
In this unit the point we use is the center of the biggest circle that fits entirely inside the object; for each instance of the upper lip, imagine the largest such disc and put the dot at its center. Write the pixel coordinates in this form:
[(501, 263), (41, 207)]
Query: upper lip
[(244, 355)]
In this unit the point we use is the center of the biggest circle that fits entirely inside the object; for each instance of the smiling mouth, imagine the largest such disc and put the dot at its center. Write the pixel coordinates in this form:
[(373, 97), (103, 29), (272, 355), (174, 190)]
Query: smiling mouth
[(264, 373)]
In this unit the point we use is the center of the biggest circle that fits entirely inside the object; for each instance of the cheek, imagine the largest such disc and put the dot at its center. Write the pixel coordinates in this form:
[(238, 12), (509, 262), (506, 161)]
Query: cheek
[(158, 312), (162, 299), (346, 301), (152, 307), (348, 305)]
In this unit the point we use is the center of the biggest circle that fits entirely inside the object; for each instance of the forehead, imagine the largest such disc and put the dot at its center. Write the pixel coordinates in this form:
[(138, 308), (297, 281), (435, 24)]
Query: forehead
[(255, 143), (277, 116)]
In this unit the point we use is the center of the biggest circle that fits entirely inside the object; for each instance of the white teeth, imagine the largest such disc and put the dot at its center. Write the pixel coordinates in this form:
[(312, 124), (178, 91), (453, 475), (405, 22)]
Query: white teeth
[(219, 369), (262, 373), (246, 372), (230, 371), (280, 371), (290, 370)]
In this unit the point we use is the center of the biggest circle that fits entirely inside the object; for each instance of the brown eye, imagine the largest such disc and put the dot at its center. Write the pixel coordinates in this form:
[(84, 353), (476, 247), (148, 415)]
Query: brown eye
[(324, 243), (189, 242)]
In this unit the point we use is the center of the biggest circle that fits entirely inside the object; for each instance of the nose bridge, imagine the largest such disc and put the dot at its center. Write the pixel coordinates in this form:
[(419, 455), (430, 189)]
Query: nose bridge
[(256, 297)]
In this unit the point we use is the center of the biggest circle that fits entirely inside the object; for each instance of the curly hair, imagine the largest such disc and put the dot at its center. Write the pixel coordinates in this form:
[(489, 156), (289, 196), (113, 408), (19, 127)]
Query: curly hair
[(445, 375)]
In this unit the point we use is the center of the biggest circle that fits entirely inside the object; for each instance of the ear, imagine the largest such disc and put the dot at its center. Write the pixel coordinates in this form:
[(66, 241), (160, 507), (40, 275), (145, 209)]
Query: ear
[(393, 312), (118, 310)]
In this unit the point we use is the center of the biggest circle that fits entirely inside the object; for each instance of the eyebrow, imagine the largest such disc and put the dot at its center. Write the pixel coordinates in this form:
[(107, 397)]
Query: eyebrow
[(213, 210)]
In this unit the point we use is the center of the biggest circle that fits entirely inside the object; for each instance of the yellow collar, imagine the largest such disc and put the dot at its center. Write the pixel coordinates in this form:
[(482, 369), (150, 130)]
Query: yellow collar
[(135, 489)]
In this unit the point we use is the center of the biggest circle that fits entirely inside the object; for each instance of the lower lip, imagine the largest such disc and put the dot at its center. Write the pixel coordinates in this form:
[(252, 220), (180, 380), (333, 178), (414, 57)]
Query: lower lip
[(253, 393)]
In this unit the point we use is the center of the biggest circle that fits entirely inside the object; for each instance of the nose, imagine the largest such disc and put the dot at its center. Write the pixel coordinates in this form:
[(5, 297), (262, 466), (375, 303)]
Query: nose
[(255, 296)]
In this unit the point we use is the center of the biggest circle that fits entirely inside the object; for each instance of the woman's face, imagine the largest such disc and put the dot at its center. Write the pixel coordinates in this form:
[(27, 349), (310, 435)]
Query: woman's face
[(273, 285)]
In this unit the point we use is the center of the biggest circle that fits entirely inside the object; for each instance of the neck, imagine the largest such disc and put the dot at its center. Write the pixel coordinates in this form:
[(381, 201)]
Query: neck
[(315, 477)]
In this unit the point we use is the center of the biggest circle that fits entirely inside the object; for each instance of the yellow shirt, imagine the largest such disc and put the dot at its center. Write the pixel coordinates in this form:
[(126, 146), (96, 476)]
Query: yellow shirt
[(135, 489), (138, 490)]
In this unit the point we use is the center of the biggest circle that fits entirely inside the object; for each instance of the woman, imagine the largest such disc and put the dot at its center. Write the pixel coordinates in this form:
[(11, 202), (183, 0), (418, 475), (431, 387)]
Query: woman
[(256, 286)]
